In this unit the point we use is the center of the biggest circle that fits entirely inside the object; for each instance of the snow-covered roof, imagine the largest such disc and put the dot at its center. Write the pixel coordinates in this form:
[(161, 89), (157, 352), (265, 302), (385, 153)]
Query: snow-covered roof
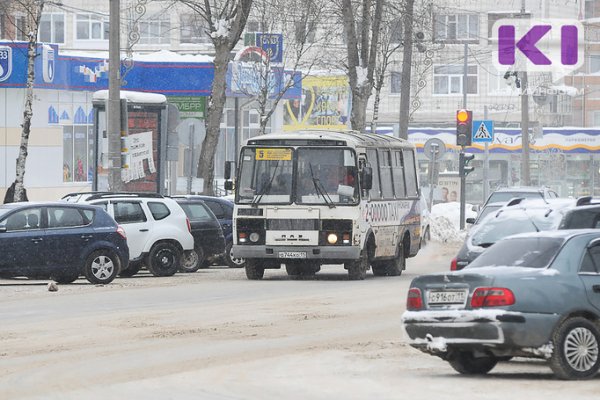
[(134, 97), (158, 56)]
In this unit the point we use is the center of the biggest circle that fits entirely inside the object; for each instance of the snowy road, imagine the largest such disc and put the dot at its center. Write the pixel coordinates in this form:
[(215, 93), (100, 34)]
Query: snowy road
[(215, 335)]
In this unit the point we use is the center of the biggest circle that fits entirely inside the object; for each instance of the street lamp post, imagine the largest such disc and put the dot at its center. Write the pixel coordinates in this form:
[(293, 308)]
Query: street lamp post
[(115, 182)]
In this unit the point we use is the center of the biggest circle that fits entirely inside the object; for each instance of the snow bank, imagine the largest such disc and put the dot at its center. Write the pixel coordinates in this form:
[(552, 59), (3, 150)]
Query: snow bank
[(445, 222)]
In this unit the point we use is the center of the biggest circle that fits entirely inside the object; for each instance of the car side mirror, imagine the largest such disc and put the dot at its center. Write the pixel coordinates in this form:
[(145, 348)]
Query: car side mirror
[(366, 178), (228, 185), (470, 220)]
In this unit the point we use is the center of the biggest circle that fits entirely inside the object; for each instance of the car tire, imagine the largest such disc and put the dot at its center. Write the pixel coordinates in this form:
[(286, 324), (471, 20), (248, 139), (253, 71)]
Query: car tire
[(132, 269), (254, 270), (576, 345), (164, 259), (464, 363), (233, 262), (65, 277), (357, 270), (192, 260), (101, 267), (393, 267)]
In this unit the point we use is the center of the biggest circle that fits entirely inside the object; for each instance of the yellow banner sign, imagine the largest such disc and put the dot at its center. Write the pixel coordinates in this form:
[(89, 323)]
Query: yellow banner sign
[(274, 154)]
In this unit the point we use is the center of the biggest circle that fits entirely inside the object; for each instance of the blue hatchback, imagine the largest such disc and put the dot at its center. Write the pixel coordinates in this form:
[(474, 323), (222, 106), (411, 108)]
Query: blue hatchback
[(60, 241)]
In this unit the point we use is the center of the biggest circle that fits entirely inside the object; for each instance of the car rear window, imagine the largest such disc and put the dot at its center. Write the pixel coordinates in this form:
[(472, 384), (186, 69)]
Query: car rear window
[(533, 252), (196, 211), (502, 197)]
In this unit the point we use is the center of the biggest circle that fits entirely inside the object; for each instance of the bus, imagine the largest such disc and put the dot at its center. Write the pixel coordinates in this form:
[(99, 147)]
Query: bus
[(314, 197)]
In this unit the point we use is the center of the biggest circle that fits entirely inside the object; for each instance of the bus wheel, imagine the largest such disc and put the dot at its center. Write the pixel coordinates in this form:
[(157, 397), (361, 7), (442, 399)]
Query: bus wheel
[(392, 267), (357, 270), (293, 269), (254, 270)]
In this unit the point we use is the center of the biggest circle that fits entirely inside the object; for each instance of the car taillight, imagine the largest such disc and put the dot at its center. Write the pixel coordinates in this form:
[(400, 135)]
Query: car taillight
[(414, 301), (121, 231), (189, 226), (453, 264), (492, 297)]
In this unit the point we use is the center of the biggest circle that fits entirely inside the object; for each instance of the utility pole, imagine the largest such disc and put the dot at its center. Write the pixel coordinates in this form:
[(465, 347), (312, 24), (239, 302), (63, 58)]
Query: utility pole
[(461, 154), (525, 176), (115, 182), (407, 22)]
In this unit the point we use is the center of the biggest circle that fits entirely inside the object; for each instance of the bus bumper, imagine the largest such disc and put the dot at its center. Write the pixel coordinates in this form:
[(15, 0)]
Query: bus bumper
[(333, 254)]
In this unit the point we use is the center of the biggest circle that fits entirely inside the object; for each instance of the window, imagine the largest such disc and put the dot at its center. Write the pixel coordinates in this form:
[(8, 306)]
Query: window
[(63, 217), (52, 28), (375, 192), (395, 82), (92, 27), (129, 212), (216, 208), (591, 260), (594, 63), (387, 188), (22, 220), (78, 150), (155, 31), (590, 6), (253, 26), (448, 79), (398, 175), (456, 28), (196, 212), (192, 29), (20, 23), (410, 174), (2, 26), (159, 210), (305, 32), (396, 31)]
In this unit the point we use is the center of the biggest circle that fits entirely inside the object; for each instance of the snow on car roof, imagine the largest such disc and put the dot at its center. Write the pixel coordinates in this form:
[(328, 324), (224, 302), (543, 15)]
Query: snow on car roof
[(561, 233)]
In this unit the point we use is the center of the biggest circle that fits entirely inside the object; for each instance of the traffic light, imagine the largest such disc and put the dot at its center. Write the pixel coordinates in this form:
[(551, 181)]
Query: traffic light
[(463, 164), (464, 126)]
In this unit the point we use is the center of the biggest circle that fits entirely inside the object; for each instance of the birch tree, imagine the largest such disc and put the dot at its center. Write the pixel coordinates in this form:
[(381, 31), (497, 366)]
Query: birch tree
[(31, 10), (362, 21), (225, 21)]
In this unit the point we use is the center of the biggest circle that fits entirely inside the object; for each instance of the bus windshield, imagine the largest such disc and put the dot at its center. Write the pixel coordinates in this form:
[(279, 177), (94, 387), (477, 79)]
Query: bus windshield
[(325, 176)]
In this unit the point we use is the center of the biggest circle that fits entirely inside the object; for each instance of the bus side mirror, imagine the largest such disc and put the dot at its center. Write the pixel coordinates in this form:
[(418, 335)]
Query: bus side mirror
[(366, 178), (228, 185), (227, 173)]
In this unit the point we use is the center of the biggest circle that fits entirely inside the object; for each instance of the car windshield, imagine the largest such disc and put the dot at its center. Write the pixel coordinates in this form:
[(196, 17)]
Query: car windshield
[(324, 176), (503, 197), (529, 252), (510, 222)]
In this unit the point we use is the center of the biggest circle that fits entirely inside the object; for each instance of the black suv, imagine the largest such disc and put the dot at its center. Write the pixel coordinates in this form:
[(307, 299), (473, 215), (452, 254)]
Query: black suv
[(209, 242), (586, 214)]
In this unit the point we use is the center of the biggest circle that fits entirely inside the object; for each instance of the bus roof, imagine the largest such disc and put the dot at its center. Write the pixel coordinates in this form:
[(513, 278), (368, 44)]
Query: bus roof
[(316, 137)]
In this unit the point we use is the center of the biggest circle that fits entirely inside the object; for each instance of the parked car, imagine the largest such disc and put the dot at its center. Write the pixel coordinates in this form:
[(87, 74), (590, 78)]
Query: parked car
[(60, 241), (209, 242), (517, 216), (158, 230), (503, 195), (531, 295), (487, 209), (223, 210)]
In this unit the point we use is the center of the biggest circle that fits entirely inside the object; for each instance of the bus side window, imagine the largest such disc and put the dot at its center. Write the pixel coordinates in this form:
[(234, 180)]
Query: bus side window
[(375, 192), (398, 175), (410, 174), (385, 167)]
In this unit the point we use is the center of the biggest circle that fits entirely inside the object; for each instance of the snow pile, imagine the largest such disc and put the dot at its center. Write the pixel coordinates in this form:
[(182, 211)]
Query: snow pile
[(222, 27), (445, 222)]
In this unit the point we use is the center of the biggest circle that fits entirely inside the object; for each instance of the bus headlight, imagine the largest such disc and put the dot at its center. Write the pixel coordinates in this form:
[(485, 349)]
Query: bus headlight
[(254, 237), (332, 238)]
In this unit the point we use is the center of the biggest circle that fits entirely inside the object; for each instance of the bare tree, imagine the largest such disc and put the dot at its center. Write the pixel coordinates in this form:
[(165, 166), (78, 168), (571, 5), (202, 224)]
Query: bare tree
[(27, 27), (362, 52), (225, 21)]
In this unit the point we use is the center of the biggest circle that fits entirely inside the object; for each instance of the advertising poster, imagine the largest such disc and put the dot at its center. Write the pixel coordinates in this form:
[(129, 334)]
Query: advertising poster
[(324, 104)]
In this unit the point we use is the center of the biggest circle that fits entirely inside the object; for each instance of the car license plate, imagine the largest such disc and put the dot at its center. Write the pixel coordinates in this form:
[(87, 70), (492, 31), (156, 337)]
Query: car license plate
[(446, 297), (292, 254)]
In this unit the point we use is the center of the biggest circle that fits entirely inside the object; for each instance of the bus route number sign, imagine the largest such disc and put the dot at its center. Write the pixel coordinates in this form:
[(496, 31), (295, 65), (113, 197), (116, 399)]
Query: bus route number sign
[(274, 154)]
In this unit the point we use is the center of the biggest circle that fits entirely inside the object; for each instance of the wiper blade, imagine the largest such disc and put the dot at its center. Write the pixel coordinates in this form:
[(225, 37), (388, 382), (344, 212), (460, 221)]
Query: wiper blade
[(267, 187), (321, 191)]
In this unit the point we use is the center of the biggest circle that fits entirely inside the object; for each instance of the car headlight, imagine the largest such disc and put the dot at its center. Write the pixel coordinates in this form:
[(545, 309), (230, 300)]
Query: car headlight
[(254, 237), (332, 238)]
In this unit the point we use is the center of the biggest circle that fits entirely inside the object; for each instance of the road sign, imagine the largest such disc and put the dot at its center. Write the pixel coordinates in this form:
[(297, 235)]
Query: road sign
[(483, 131), (434, 149)]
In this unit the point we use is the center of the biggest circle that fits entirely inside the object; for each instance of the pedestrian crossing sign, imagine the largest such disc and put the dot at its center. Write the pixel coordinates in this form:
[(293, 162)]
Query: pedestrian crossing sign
[(483, 131)]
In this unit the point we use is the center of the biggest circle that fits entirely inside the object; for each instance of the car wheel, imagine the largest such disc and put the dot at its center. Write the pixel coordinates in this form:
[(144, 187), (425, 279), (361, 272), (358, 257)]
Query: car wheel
[(357, 270), (163, 259), (464, 363), (101, 267), (65, 277), (254, 270), (230, 260), (575, 356), (192, 260), (392, 267), (132, 269)]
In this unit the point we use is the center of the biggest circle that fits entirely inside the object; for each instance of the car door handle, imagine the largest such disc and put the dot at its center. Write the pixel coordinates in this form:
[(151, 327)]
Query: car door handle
[(596, 288), (143, 230), (86, 237), (37, 240)]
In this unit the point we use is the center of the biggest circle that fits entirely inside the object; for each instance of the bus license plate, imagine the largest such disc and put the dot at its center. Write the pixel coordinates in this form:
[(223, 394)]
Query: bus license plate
[(450, 297), (292, 254)]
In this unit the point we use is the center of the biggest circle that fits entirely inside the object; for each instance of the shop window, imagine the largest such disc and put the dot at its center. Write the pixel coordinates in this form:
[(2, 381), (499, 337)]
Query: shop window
[(77, 153), (52, 28)]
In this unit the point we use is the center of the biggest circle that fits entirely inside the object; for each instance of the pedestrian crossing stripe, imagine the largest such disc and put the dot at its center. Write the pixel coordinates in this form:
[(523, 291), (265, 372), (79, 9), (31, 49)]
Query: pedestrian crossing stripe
[(482, 132)]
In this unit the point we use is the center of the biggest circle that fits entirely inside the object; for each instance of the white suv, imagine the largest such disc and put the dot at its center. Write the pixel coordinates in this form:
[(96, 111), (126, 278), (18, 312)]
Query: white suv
[(157, 228)]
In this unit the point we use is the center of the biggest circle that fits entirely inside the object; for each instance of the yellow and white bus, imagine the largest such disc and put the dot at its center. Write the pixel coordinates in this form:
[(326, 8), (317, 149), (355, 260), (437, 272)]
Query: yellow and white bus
[(316, 197)]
